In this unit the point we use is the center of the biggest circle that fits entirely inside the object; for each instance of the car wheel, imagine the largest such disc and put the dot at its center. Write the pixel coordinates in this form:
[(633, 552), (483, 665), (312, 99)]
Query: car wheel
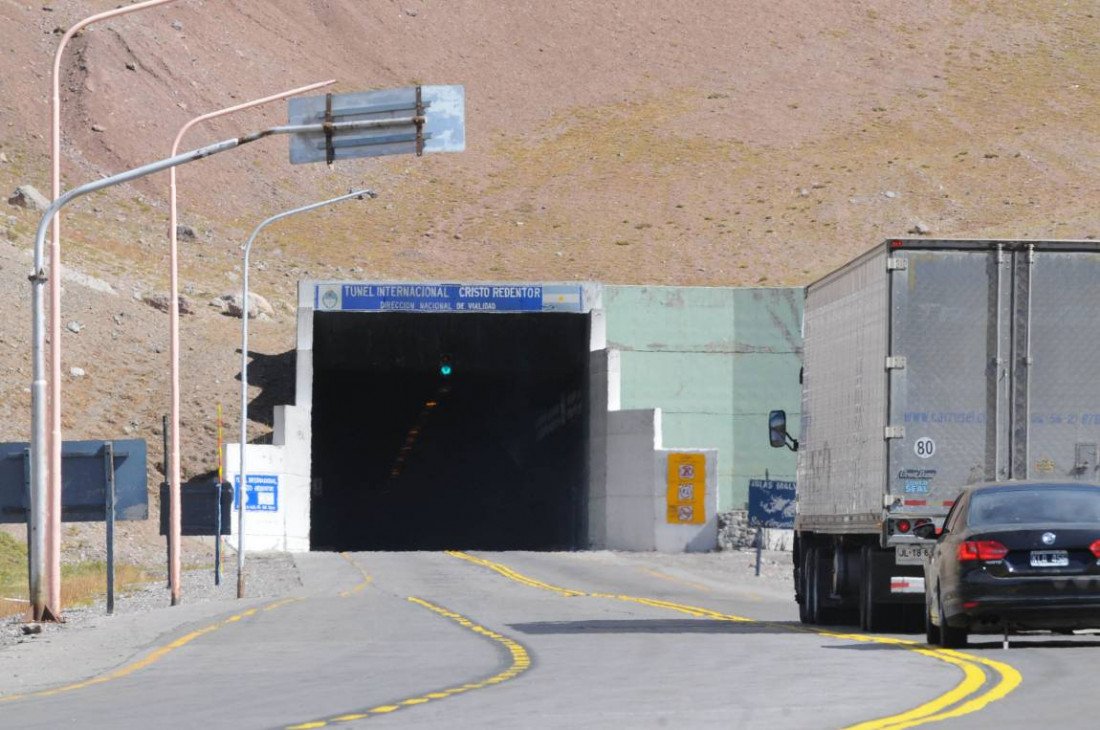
[(931, 631), (951, 637)]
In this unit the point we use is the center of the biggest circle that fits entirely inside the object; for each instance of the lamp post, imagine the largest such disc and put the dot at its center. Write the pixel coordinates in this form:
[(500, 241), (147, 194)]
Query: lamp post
[(173, 466), (38, 486), (242, 488), (46, 540)]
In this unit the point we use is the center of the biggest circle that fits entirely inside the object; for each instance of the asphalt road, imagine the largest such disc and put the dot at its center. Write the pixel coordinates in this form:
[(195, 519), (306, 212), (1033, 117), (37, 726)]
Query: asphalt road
[(537, 640)]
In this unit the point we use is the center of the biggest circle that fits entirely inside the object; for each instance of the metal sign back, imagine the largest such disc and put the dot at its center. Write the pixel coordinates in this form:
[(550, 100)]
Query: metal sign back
[(426, 119), (199, 509), (83, 481)]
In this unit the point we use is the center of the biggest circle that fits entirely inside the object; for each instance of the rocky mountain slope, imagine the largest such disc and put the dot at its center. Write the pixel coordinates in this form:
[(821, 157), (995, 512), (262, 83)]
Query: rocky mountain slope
[(665, 142)]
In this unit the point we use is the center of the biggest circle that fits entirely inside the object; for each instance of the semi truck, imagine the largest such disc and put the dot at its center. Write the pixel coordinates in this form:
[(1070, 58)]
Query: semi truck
[(930, 365)]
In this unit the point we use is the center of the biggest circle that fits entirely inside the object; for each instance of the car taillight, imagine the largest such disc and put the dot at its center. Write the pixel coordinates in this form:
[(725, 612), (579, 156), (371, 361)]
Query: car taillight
[(903, 525), (983, 550), (1095, 548)]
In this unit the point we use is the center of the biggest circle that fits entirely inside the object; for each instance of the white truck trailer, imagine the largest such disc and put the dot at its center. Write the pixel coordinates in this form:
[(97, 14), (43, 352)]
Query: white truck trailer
[(930, 365)]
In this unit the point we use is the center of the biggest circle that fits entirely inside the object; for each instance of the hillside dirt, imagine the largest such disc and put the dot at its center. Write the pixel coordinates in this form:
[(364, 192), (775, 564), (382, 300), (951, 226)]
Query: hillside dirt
[(661, 142)]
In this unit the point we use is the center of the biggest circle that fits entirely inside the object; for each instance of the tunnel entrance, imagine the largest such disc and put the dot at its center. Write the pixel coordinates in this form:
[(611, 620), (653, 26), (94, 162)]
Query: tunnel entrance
[(491, 455)]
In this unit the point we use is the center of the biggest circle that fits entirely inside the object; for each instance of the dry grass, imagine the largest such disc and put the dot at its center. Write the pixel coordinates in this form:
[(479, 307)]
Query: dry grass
[(81, 583)]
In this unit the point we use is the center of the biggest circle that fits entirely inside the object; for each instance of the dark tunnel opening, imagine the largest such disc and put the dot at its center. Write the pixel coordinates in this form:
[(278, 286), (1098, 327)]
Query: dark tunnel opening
[(491, 455)]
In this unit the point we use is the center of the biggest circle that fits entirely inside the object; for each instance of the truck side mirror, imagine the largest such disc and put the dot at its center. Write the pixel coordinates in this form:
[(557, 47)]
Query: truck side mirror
[(926, 531), (777, 429)]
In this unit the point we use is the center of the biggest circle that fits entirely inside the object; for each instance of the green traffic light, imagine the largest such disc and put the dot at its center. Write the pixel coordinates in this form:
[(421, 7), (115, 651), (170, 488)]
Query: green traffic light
[(445, 370)]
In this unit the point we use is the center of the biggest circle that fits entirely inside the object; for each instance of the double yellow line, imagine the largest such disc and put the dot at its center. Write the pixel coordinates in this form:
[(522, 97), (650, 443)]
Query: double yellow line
[(970, 695), (520, 663), (367, 579)]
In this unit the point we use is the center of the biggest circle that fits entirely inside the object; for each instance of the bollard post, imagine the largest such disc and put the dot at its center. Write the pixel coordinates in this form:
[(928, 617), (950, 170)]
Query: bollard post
[(218, 534), (109, 467), (30, 523), (167, 538), (759, 548)]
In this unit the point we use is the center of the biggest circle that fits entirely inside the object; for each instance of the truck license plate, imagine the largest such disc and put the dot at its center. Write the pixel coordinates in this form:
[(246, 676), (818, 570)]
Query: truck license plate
[(912, 554), (1049, 558)]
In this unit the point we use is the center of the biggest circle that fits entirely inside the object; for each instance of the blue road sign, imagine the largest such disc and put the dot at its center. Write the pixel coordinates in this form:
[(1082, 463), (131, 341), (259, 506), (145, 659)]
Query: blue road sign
[(431, 297), (771, 503), (262, 492)]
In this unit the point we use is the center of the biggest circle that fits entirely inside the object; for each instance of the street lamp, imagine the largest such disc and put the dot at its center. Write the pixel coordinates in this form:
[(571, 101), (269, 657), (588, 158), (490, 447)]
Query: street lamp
[(38, 473), (172, 468), (47, 552), (243, 484)]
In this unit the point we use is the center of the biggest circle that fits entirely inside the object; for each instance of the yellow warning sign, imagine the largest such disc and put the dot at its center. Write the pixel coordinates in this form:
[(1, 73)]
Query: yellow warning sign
[(687, 488)]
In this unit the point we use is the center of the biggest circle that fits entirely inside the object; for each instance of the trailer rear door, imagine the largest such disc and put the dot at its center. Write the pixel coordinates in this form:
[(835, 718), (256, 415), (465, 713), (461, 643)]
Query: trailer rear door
[(1058, 377), (948, 373)]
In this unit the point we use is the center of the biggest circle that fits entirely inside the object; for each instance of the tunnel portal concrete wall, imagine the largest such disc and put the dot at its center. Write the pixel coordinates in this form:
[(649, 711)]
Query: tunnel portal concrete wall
[(715, 361), (284, 524), (636, 514), (706, 363)]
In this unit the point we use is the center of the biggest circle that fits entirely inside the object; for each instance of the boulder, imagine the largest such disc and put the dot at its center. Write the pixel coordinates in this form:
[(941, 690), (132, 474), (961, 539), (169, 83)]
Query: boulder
[(230, 303), (27, 196), (161, 301)]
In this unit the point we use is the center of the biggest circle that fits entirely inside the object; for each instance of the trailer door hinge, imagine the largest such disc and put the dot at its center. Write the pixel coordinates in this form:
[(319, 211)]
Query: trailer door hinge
[(895, 432), (896, 263), (896, 362)]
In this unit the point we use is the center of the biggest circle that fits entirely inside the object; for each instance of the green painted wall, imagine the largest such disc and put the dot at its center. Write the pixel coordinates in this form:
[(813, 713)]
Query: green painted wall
[(715, 361)]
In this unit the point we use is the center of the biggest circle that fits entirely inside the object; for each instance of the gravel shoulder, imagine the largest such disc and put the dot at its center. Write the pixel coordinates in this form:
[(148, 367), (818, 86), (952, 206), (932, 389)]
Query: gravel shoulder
[(89, 642)]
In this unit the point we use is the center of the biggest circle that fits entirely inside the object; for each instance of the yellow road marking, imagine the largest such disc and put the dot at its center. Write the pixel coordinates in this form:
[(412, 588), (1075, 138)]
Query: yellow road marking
[(681, 581), (367, 579), (1010, 680), (154, 656), (521, 662), (509, 573), (974, 678)]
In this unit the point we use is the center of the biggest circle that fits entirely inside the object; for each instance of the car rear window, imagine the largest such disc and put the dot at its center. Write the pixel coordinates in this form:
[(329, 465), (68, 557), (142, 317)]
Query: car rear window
[(1047, 504)]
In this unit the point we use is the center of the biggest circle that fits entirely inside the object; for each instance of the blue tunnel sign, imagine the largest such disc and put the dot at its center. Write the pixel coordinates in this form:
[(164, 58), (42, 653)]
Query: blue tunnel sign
[(429, 297)]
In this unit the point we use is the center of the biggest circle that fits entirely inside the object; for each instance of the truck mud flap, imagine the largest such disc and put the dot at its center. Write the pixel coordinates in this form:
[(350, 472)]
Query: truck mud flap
[(906, 584)]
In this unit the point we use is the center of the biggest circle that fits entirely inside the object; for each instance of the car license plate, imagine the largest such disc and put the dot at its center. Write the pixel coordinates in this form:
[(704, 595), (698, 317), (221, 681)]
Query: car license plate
[(1049, 558), (912, 554)]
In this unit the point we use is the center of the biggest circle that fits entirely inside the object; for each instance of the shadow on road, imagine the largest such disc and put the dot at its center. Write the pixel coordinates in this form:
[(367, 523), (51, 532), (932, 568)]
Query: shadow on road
[(989, 643), (653, 626)]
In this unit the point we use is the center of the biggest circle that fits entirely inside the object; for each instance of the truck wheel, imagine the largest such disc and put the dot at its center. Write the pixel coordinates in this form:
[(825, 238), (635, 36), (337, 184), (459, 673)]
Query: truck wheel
[(809, 586), (820, 579), (951, 637), (870, 616), (803, 589)]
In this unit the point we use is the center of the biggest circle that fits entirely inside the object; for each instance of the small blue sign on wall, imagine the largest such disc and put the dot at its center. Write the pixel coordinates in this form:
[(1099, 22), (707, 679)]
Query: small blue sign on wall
[(262, 492), (771, 503)]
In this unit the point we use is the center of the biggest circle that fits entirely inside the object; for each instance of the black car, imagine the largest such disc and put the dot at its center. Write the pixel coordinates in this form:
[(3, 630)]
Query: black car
[(1015, 555)]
